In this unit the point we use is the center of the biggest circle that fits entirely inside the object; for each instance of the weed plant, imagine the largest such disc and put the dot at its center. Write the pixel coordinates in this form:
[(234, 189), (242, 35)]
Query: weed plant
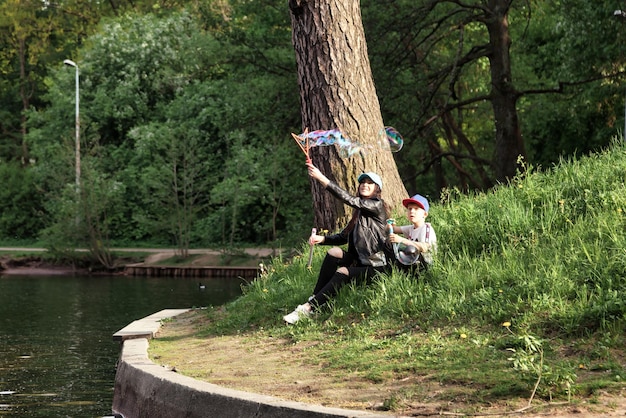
[(527, 295)]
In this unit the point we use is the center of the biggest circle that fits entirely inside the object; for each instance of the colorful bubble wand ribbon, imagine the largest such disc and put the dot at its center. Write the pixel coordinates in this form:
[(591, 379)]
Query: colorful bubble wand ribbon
[(388, 139)]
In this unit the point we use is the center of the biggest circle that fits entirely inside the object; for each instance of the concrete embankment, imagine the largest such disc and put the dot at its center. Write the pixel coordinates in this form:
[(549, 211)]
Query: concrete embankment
[(145, 389)]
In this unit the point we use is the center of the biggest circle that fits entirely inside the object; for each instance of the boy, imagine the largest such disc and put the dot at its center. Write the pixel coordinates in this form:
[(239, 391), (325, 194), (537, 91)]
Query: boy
[(419, 242)]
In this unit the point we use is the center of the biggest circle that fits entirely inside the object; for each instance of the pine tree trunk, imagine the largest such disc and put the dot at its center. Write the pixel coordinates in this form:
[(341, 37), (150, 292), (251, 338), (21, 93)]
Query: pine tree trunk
[(337, 91)]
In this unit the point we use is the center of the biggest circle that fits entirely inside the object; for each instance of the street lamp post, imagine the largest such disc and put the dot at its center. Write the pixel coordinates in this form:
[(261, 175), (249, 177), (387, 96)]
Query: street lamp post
[(73, 64)]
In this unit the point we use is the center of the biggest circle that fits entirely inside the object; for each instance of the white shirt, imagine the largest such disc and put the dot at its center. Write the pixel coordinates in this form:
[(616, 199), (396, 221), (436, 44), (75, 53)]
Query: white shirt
[(424, 233)]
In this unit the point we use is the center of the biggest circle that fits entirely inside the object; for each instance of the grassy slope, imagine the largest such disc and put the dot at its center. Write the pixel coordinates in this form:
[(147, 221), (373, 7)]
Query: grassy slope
[(527, 298)]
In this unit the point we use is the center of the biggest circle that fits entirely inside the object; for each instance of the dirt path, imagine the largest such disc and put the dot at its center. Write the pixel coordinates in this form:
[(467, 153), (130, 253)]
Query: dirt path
[(279, 369)]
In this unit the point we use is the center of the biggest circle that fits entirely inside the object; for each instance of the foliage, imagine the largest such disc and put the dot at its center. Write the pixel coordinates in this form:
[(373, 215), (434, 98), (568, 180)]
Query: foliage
[(255, 108), (36, 37), (234, 64), (31, 35), (161, 106), (177, 156), (528, 359), (99, 203), (549, 56), (20, 204), (529, 279), (568, 96)]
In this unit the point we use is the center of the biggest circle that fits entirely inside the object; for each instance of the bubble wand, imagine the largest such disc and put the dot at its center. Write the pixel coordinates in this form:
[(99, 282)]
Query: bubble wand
[(308, 265), (406, 254), (396, 246), (306, 147)]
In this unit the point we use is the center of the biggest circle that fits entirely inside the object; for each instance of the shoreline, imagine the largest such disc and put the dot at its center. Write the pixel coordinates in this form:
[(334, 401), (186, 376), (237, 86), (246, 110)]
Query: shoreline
[(34, 265), (40, 271)]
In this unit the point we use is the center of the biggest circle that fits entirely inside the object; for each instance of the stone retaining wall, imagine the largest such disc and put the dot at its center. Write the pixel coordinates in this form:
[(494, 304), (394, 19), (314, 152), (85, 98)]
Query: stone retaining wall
[(145, 389)]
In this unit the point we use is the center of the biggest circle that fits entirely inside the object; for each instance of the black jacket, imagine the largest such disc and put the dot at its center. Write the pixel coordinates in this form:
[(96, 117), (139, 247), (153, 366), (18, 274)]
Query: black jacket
[(369, 236)]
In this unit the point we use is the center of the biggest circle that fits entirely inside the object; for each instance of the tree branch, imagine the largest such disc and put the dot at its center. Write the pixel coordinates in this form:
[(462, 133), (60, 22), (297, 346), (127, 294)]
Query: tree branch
[(564, 84)]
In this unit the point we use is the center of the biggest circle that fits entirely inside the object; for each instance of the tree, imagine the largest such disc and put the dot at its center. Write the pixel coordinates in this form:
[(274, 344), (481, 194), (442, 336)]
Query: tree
[(574, 50), (255, 107), (463, 80), (176, 184), (455, 57), (99, 205), (337, 91), (130, 78), (20, 203), (35, 36), (503, 96), (27, 36), (162, 103)]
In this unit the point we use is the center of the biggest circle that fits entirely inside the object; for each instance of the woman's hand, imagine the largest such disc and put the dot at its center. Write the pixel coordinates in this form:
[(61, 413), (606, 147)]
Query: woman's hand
[(315, 173), (316, 239)]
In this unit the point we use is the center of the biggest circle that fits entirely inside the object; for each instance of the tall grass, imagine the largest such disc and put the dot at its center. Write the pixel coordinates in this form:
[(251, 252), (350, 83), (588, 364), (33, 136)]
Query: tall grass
[(544, 255), (547, 253), (550, 255)]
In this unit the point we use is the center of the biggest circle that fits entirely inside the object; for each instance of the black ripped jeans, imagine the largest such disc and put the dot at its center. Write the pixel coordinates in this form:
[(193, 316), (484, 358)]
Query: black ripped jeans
[(330, 280)]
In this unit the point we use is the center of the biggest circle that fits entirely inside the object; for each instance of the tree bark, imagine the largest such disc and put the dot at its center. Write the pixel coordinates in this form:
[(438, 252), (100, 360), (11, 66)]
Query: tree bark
[(509, 142), (337, 91)]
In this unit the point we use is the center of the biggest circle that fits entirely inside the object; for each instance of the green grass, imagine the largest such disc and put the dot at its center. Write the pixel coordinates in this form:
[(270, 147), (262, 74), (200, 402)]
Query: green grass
[(529, 285)]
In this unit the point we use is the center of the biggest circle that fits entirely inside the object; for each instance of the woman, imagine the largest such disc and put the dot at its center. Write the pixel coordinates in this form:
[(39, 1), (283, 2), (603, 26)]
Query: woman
[(365, 235)]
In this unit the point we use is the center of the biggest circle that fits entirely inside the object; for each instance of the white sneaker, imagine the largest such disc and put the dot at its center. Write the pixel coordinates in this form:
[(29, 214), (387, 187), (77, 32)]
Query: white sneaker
[(300, 312)]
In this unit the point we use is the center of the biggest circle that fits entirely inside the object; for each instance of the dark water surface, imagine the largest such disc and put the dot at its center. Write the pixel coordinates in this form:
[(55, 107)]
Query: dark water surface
[(57, 354)]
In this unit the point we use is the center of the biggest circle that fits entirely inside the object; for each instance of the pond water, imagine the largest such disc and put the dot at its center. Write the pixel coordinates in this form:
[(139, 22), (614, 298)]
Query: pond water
[(57, 354)]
